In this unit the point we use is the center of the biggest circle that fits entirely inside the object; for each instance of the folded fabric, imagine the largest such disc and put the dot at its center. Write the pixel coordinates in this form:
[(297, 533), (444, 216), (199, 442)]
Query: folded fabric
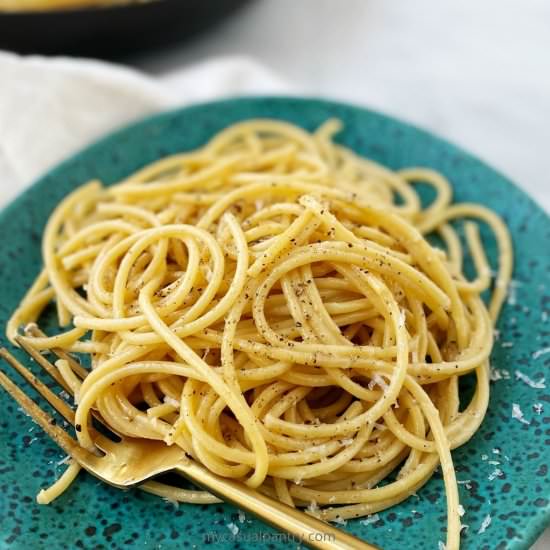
[(52, 107)]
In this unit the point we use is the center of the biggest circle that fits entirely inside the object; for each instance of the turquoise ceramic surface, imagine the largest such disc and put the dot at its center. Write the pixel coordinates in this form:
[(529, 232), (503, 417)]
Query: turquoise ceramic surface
[(503, 470)]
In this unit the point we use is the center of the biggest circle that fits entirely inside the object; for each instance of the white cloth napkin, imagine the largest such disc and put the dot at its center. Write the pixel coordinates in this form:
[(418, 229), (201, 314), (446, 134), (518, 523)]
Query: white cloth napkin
[(52, 107)]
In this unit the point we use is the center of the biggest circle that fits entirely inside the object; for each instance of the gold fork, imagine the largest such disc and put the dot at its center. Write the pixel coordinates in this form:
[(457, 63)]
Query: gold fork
[(133, 461)]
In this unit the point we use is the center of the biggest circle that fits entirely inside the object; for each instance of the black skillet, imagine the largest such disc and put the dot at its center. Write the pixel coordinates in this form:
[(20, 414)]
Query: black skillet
[(110, 31)]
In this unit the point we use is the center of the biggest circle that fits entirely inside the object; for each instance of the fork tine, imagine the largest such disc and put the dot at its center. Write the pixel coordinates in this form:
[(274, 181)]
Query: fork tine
[(44, 420), (56, 402), (102, 441), (42, 361), (34, 331)]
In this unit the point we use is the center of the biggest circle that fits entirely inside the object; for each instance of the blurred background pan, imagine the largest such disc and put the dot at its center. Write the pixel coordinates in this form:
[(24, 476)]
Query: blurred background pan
[(109, 31)]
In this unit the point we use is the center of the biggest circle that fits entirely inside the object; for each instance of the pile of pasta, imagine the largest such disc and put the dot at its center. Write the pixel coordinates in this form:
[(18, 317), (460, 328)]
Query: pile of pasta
[(270, 303)]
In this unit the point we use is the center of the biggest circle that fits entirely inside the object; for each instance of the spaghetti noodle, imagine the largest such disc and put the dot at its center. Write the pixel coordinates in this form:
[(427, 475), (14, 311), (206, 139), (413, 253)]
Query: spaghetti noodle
[(270, 303)]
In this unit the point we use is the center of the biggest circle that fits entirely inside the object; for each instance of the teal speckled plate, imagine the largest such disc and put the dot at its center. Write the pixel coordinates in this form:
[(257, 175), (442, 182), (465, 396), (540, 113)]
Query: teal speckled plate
[(503, 470)]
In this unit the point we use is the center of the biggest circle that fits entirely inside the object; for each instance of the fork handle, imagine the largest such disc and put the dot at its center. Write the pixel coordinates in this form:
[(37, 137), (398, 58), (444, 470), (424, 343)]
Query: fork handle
[(303, 528)]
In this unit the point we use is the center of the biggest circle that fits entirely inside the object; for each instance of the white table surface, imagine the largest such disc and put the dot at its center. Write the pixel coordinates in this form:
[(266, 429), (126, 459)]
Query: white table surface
[(474, 71)]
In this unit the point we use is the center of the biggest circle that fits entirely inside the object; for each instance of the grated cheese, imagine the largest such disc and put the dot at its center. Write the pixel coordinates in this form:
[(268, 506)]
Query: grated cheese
[(313, 509), (340, 520), (486, 522), (540, 385), (378, 380), (512, 292), (499, 374), (402, 319), (497, 472), (373, 518), (171, 401), (517, 414), (233, 528), (541, 352)]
